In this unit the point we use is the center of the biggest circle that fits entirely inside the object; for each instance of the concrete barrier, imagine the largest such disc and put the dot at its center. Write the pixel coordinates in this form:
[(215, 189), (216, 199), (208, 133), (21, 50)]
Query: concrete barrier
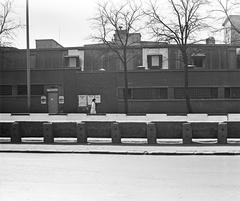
[(151, 133), (81, 133), (98, 129), (64, 129), (233, 129), (31, 128), (222, 133), (5, 129), (204, 130), (115, 133), (133, 129), (15, 134), (47, 133), (167, 130), (100, 126), (187, 133)]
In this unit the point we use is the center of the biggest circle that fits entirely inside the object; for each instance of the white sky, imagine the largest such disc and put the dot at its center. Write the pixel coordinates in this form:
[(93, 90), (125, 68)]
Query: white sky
[(65, 21)]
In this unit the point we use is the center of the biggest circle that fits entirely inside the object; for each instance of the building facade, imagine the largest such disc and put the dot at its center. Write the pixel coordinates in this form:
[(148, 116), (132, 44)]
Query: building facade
[(64, 80)]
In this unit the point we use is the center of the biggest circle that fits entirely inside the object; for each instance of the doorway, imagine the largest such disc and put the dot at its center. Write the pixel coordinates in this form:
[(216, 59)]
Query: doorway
[(52, 102)]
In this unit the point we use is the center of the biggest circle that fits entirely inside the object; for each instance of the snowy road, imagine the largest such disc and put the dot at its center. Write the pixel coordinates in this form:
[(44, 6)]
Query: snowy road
[(76, 177)]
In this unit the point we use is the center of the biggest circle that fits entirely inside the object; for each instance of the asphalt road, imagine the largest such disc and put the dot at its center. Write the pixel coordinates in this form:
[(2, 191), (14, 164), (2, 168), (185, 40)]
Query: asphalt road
[(76, 177)]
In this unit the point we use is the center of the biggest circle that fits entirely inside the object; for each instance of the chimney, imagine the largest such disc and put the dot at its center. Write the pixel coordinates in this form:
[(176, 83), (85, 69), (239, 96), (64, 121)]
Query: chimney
[(210, 40)]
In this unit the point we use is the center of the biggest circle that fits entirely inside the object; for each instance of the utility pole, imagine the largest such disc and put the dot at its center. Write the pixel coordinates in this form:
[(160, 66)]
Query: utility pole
[(28, 61)]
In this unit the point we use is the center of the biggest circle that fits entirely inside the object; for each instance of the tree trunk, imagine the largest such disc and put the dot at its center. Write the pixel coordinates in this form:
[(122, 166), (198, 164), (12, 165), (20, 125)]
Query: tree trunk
[(126, 82), (187, 98)]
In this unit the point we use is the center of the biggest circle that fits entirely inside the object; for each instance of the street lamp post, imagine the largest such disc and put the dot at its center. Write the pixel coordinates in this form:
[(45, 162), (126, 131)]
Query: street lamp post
[(28, 61)]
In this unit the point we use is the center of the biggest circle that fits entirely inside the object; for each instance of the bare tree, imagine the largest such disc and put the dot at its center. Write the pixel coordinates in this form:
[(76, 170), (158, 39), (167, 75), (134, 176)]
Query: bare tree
[(182, 26), (225, 11), (8, 25), (122, 21)]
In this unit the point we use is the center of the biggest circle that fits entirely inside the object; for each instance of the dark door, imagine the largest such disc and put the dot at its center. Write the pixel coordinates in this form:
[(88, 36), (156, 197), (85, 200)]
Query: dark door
[(53, 102)]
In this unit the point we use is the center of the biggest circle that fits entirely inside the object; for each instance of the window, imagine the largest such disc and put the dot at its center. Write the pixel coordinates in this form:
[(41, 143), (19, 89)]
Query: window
[(35, 90), (21, 89), (238, 61), (144, 93), (154, 61), (72, 61), (198, 60), (232, 92), (197, 93), (5, 90)]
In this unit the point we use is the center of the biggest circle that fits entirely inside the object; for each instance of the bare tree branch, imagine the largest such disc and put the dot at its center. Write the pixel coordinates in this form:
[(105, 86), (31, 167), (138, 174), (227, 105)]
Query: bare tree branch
[(8, 25), (121, 21), (225, 13), (182, 26)]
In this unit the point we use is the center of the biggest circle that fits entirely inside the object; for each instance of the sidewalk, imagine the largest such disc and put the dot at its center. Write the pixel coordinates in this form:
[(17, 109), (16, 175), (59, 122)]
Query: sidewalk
[(130, 147)]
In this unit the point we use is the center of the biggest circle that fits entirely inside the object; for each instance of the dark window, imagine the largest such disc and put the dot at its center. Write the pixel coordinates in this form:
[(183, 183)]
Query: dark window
[(197, 93), (21, 89), (238, 61), (35, 90), (232, 92), (154, 61), (145, 93), (72, 61), (5, 90), (198, 61), (121, 93)]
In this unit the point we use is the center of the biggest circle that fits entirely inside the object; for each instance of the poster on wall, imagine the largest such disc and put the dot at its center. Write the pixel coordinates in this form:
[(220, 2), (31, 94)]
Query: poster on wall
[(90, 97), (82, 100), (61, 99), (98, 98), (43, 100)]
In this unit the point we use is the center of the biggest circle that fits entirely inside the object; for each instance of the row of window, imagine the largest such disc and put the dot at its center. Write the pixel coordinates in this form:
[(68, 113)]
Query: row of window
[(179, 93), (140, 93), (7, 90)]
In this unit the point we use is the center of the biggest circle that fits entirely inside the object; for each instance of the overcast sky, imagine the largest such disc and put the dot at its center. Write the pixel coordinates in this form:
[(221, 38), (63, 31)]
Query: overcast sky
[(65, 21)]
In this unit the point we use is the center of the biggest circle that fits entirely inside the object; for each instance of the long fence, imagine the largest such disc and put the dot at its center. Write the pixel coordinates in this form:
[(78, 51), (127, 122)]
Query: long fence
[(118, 126)]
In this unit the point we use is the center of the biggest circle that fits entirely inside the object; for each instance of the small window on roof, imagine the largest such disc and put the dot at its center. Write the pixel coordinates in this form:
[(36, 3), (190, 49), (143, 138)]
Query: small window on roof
[(154, 61), (72, 61), (198, 60)]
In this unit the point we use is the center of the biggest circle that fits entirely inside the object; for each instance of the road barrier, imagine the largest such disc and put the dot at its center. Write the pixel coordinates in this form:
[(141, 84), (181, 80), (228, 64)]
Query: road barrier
[(150, 127)]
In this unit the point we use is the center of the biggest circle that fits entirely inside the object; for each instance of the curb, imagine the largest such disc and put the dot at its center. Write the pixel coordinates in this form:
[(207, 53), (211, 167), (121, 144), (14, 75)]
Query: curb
[(221, 153)]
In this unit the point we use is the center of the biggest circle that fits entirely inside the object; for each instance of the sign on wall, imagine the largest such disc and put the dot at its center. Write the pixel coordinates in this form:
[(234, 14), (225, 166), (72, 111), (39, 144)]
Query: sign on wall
[(43, 100), (61, 99), (98, 98), (82, 100), (85, 100), (90, 97)]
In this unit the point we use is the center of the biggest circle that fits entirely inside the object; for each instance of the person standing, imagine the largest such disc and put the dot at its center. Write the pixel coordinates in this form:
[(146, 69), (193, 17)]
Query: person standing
[(93, 107)]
